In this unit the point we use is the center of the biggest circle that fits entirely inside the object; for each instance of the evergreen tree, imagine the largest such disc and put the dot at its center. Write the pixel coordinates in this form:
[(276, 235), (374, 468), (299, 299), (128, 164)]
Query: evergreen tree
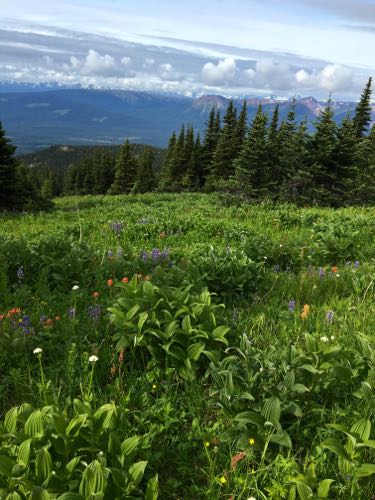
[(164, 180), (362, 115), (8, 193), (188, 180), (126, 171), (211, 138), (252, 164), (240, 130), (198, 161), (322, 147), (226, 148), (146, 177), (177, 163), (362, 189)]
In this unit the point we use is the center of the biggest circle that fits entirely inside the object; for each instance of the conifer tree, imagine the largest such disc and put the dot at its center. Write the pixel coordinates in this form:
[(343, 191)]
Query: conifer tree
[(8, 174), (362, 189), (166, 170), (146, 177), (362, 115), (322, 147), (226, 149), (252, 163), (198, 160), (126, 171), (188, 180), (211, 137), (177, 163), (240, 130)]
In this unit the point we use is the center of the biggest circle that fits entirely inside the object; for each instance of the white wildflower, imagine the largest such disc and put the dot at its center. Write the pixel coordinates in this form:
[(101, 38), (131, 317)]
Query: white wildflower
[(93, 358), (332, 337), (324, 339), (75, 287), (38, 350)]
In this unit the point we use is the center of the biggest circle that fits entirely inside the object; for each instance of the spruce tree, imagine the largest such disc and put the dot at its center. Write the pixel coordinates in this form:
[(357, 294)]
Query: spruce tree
[(362, 115), (8, 174), (362, 189), (322, 147), (188, 180), (211, 138), (221, 167), (166, 170), (197, 160), (146, 178), (126, 171), (252, 164), (240, 130)]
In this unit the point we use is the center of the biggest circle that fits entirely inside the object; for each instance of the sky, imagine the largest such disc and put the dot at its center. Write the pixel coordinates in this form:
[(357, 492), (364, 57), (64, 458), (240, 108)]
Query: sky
[(231, 47)]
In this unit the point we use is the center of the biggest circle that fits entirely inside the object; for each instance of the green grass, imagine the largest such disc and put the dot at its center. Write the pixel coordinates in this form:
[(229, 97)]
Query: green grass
[(231, 393)]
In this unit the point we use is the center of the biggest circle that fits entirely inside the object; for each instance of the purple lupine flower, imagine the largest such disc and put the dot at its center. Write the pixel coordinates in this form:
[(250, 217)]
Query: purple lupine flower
[(276, 269), (329, 316), (94, 312), (291, 305), (109, 254), (356, 264), (25, 324), (310, 270), (321, 273), (20, 274), (155, 255), (144, 256), (72, 312), (117, 227), (119, 253), (164, 254)]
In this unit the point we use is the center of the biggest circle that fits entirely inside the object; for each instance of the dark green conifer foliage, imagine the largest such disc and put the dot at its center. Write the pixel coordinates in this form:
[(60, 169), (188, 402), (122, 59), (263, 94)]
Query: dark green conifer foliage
[(177, 164), (164, 180), (362, 115), (8, 193), (198, 163), (362, 187), (188, 181), (322, 147), (145, 177), (211, 138), (226, 148), (126, 171), (240, 130), (251, 166)]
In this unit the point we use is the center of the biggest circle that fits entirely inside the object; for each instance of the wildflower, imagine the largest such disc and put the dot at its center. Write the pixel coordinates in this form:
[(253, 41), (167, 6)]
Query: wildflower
[(20, 274), (38, 350), (305, 312), (93, 359), (251, 498), (223, 480), (110, 254), (75, 288), (72, 312), (237, 458), (25, 324), (321, 273), (144, 256), (2, 316), (291, 305), (95, 295), (251, 441), (110, 282), (332, 337), (125, 280), (276, 268), (329, 316), (334, 269), (15, 310), (356, 264), (206, 444), (119, 253), (94, 313), (116, 227), (57, 318), (154, 386), (48, 322), (324, 339)]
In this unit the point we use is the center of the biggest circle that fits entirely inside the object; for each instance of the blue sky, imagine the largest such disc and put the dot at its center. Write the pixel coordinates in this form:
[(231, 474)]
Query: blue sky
[(226, 46)]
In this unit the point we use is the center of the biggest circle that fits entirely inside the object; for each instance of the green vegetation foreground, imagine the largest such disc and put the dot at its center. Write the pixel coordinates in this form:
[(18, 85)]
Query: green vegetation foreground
[(187, 346)]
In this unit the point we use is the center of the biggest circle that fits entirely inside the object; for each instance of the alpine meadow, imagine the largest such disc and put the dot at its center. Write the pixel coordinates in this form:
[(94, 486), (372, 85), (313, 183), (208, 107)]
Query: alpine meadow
[(187, 250)]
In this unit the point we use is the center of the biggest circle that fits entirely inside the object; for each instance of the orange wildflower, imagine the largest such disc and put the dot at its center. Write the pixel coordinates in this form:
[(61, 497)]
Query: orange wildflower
[(121, 357), (237, 458), (95, 295), (334, 269), (305, 312), (125, 280), (110, 282), (2, 316), (15, 310), (48, 322)]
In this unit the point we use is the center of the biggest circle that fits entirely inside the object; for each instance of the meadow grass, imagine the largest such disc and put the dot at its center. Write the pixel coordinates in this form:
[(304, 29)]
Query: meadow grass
[(191, 347)]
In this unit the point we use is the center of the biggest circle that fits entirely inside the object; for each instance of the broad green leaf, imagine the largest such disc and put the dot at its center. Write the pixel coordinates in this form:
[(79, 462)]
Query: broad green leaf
[(39, 493), (343, 373), (324, 487), (304, 491), (364, 470), (6, 465), (141, 321), (271, 410), (129, 445), (250, 417), (282, 439), (195, 350), (361, 428), (219, 334), (24, 452), (72, 464), (132, 312), (336, 447), (93, 479), (152, 488), (75, 425), (43, 464), (34, 426), (186, 324), (70, 496), (136, 472), (12, 496), (10, 420)]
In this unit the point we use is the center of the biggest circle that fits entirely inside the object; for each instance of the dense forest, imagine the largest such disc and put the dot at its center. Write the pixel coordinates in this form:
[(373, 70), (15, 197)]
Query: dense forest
[(269, 158)]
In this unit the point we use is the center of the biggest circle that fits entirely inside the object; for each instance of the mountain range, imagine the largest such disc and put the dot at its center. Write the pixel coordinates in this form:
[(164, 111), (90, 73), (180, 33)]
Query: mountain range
[(36, 117)]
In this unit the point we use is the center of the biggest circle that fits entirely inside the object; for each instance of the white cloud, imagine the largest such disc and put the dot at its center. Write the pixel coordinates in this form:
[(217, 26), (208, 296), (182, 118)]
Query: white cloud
[(332, 78), (96, 64), (222, 73), (167, 72)]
